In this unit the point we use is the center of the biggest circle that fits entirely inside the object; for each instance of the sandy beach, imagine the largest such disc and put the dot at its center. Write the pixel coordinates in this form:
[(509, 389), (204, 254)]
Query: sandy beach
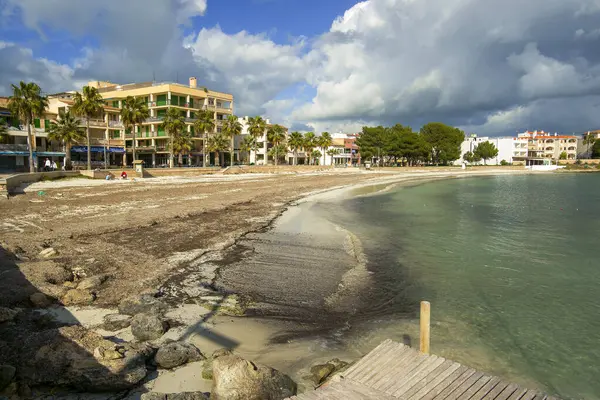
[(207, 245)]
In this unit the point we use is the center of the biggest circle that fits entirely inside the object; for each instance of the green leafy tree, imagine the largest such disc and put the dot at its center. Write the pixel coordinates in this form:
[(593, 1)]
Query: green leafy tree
[(174, 125), (324, 141), (205, 123), (66, 130), (88, 104), (316, 155), (332, 152), (28, 103), (182, 144), (468, 157), (296, 142), (218, 144), (589, 140), (445, 141), (309, 144), (563, 155), (374, 142), (257, 127), (596, 149), (249, 143), (276, 135), (485, 151), (3, 131), (134, 112), (231, 129)]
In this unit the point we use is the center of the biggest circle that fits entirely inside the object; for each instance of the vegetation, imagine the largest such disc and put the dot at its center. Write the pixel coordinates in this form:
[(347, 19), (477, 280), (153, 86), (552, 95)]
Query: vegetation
[(324, 141), (182, 144), (3, 131), (278, 151), (174, 126), (589, 140), (563, 155), (276, 135), (296, 142), (332, 152), (316, 156), (256, 127), (27, 103), (67, 130), (217, 144), (504, 163), (134, 112), (485, 151), (88, 104), (394, 144), (204, 123), (309, 144), (444, 140), (231, 129), (596, 149), (249, 143)]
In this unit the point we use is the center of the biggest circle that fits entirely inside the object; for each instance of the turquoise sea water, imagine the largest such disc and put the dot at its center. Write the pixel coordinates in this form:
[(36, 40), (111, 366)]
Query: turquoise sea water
[(510, 264)]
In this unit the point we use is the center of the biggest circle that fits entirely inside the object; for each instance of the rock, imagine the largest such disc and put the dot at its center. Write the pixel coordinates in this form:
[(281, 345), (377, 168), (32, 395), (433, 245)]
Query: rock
[(92, 282), (319, 372), (7, 314), (70, 285), (40, 300), (207, 370), (235, 378), (338, 364), (47, 253), (57, 275), (174, 354), (115, 322), (7, 373), (147, 327), (142, 304), (174, 396), (78, 297), (53, 291), (76, 357)]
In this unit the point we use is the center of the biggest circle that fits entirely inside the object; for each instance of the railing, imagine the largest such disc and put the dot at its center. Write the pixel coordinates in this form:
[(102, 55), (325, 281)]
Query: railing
[(162, 103), (95, 122), (13, 147), (115, 124)]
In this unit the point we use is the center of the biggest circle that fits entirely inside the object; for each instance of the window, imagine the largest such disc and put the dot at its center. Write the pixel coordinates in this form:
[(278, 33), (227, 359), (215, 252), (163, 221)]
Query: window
[(191, 102), (46, 123), (161, 100), (161, 113), (115, 103), (161, 131), (115, 134), (36, 123), (147, 130)]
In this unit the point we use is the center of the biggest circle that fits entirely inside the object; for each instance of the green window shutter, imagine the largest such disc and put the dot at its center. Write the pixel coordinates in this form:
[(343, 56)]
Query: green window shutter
[(175, 100), (161, 113), (191, 102), (192, 130), (46, 123), (115, 103), (161, 131), (36, 123), (147, 130), (182, 100), (161, 100)]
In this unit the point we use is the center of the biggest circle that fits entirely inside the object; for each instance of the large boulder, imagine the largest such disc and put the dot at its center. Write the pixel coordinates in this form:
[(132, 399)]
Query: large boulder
[(40, 300), (174, 354), (7, 373), (76, 357), (115, 322), (207, 370), (92, 282), (78, 297), (235, 378), (147, 327), (7, 314), (320, 372), (138, 304), (174, 396), (56, 274)]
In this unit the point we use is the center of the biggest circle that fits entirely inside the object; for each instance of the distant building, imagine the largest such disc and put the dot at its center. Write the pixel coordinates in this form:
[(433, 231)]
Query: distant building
[(510, 149), (261, 155), (346, 150)]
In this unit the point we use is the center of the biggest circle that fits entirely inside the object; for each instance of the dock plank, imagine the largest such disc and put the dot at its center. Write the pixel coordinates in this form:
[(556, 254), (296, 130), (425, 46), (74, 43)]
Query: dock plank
[(396, 371)]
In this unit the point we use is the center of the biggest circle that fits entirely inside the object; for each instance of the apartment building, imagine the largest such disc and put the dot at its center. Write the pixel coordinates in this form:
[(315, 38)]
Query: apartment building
[(512, 150), (260, 156), (544, 145), (347, 151), (108, 138)]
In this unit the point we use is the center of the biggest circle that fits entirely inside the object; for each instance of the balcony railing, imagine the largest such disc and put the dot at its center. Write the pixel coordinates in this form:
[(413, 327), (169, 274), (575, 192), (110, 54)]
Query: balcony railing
[(115, 124), (13, 147), (162, 103)]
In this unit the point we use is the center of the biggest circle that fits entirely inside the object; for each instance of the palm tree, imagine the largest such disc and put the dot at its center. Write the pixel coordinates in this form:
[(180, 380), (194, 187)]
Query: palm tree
[(232, 128), (589, 140), (296, 142), (217, 143), (3, 131), (248, 144), (134, 112), (324, 142), (316, 155), (278, 151), (174, 125), (28, 103), (332, 152), (309, 144), (182, 144), (67, 130), (205, 123), (256, 126), (276, 135), (88, 104)]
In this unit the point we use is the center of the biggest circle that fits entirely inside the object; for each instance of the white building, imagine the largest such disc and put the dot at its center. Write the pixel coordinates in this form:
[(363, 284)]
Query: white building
[(347, 151), (261, 155), (510, 149)]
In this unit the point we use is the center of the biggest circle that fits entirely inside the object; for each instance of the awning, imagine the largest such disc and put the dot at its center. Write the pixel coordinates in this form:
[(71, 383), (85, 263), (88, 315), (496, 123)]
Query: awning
[(97, 149)]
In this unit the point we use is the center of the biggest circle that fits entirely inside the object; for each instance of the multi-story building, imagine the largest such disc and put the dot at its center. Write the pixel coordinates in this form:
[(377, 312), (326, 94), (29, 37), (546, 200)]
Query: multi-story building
[(260, 156), (510, 149), (544, 145), (346, 150), (108, 137)]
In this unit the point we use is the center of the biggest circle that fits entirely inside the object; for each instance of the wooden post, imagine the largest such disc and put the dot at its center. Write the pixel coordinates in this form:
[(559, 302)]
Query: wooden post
[(425, 325)]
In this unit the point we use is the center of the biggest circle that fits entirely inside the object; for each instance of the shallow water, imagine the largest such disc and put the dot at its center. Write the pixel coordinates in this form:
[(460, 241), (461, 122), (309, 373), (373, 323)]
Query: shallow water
[(509, 264)]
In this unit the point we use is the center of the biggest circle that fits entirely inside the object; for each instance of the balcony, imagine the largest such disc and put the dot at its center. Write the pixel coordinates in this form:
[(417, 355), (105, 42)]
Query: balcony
[(13, 147), (164, 103), (95, 122), (115, 124)]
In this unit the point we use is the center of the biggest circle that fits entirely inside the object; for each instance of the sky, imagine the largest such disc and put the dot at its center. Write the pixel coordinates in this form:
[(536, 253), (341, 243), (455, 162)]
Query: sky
[(490, 67)]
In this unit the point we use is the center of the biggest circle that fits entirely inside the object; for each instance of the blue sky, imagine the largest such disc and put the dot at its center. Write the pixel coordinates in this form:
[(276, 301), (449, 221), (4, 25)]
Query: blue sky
[(490, 67)]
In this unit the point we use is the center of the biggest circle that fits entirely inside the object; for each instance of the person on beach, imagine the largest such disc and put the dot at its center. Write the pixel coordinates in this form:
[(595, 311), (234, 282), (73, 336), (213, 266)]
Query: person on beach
[(123, 175), (54, 166), (47, 165)]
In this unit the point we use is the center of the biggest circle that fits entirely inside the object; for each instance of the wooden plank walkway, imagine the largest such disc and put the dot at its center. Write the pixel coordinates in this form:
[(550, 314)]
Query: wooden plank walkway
[(396, 371)]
